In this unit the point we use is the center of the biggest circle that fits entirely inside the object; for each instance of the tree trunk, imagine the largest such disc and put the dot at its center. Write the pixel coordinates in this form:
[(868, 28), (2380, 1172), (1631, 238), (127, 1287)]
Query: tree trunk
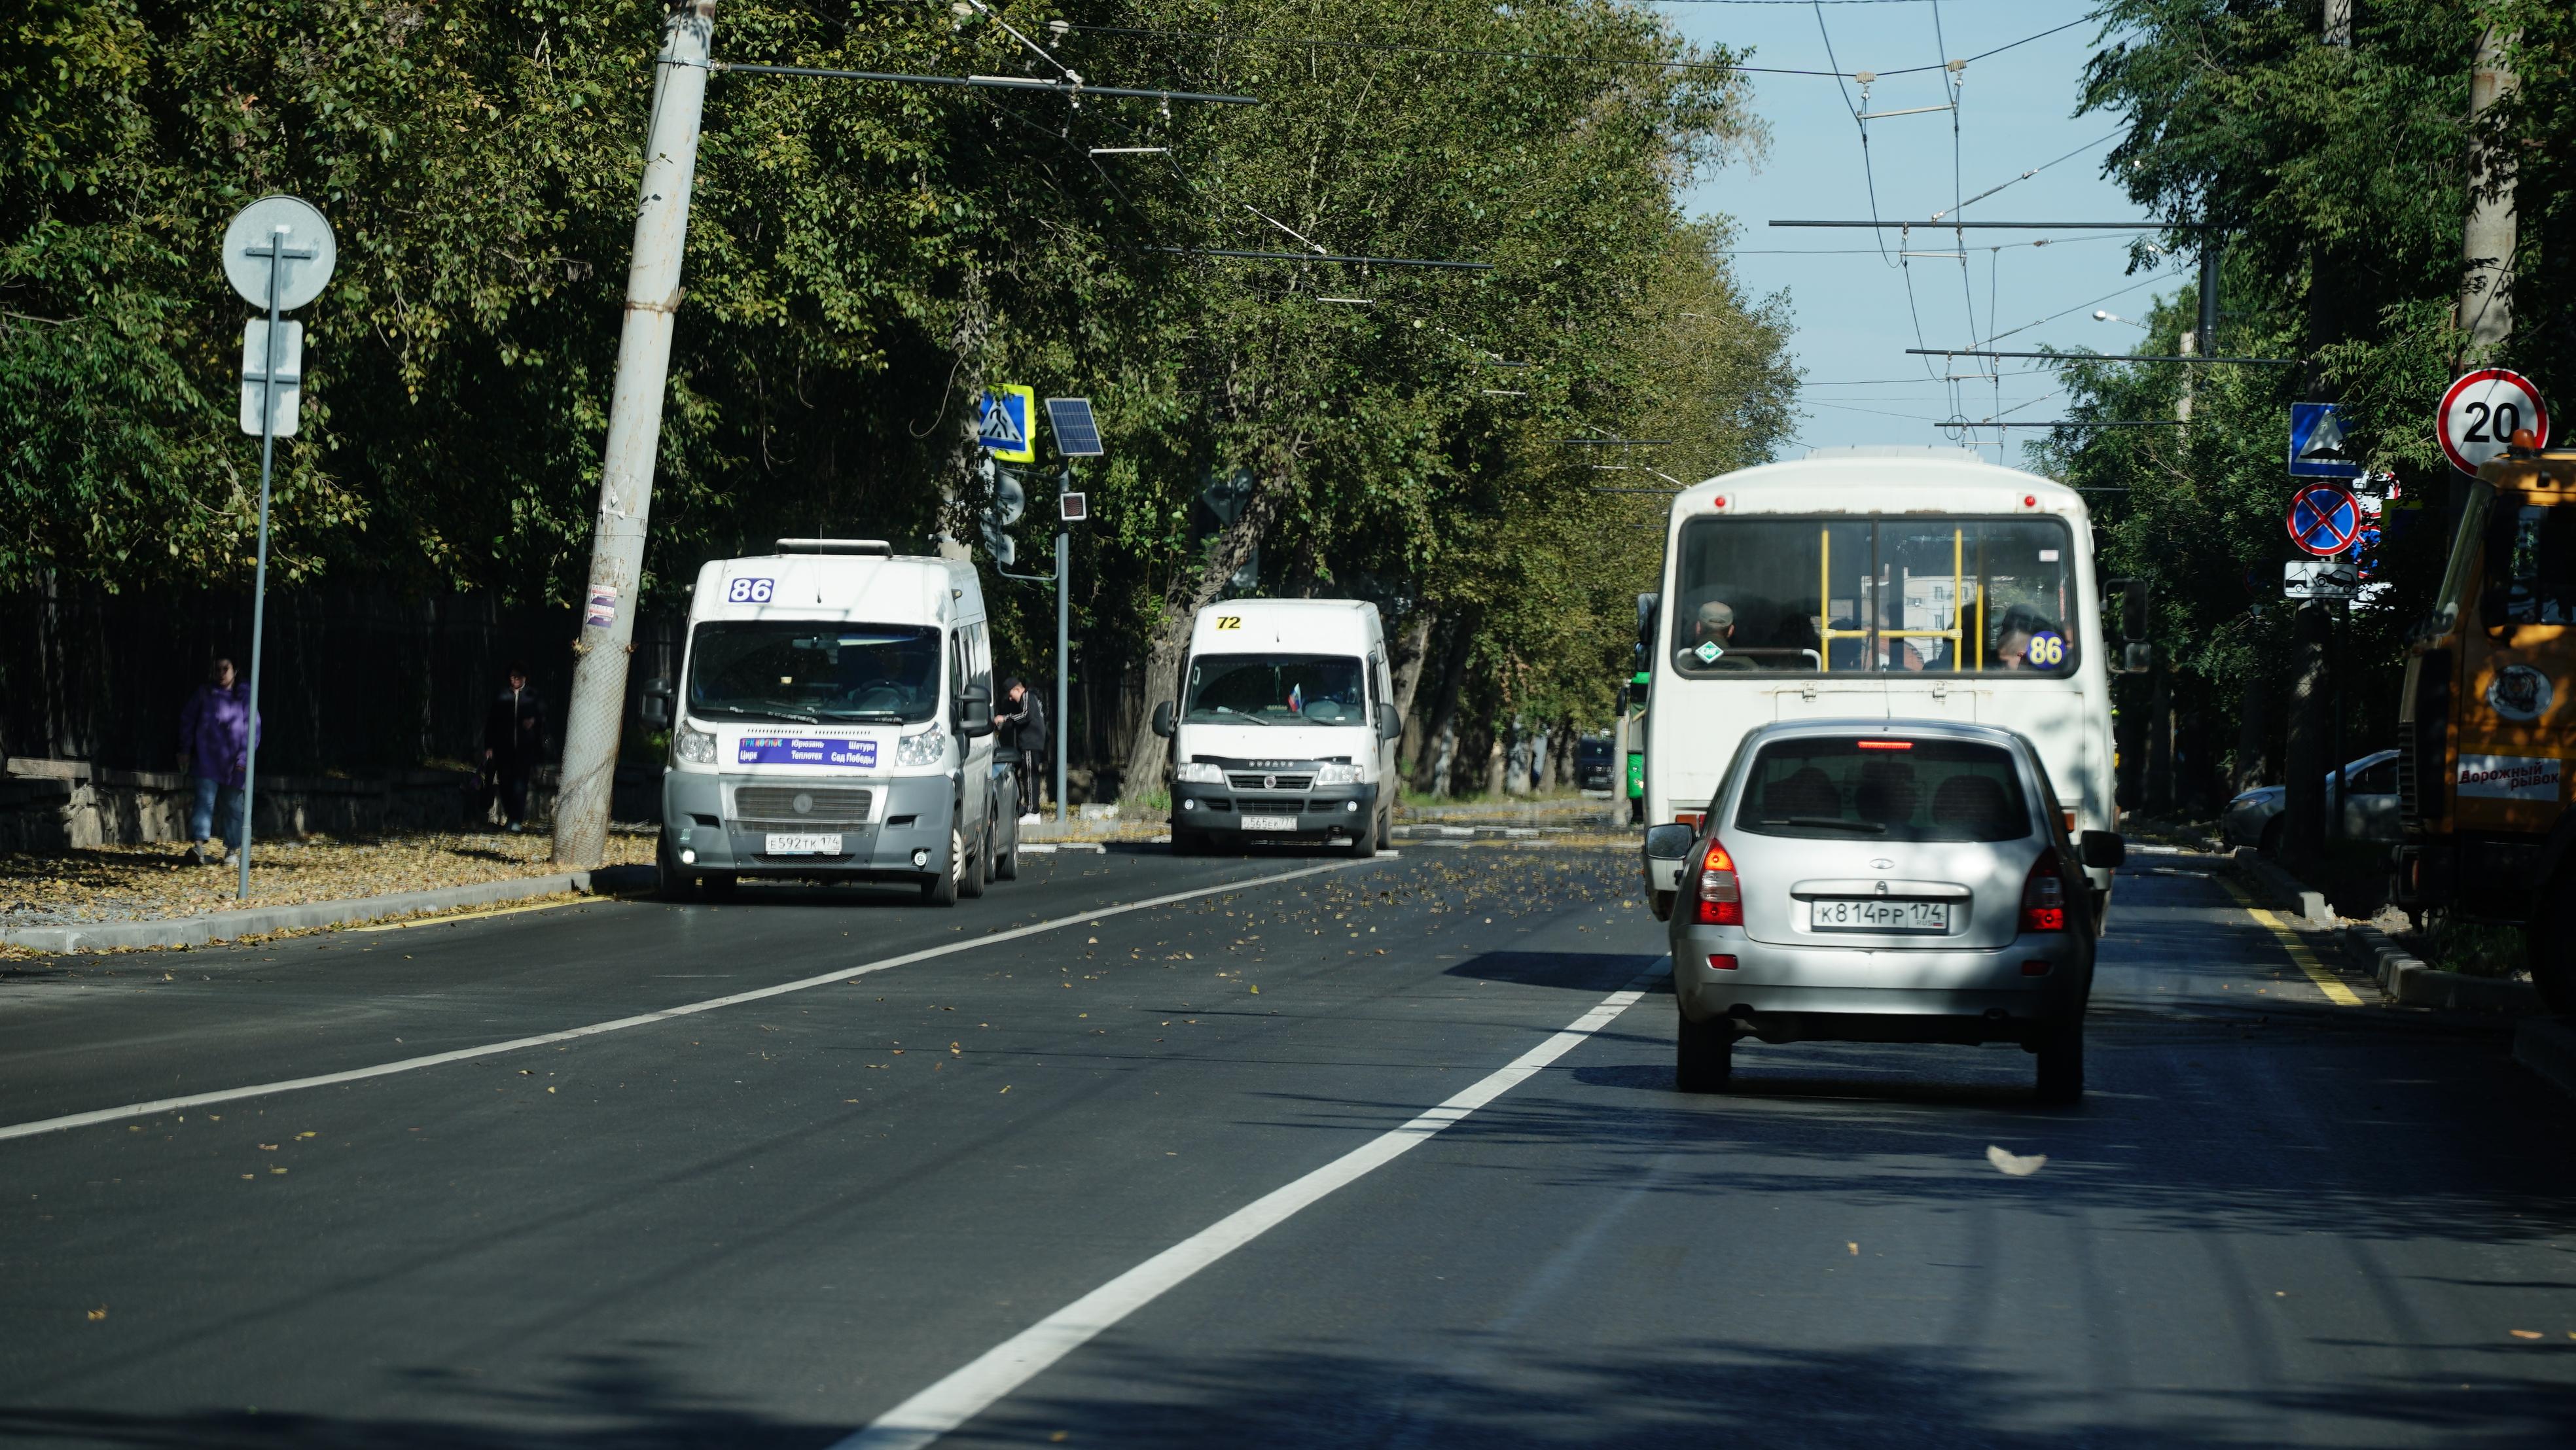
[(1497, 765), (1431, 771), (1194, 589), (1406, 653), (2251, 728), (2303, 825)]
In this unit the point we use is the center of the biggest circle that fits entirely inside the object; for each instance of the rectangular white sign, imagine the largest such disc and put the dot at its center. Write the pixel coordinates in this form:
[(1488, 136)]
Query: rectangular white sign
[(286, 401), (2511, 777)]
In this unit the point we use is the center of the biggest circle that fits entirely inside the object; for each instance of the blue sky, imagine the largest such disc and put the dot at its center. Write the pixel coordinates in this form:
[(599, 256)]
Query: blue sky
[(1850, 307)]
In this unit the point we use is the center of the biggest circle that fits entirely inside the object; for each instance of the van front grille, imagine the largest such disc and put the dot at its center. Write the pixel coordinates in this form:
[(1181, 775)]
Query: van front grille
[(1256, 780), (800, 808)]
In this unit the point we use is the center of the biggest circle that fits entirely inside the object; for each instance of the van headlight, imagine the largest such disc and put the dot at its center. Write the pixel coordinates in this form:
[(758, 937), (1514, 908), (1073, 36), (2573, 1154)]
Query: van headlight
[(1330, 774), (691, 746), (1200, 772), (930, 747)]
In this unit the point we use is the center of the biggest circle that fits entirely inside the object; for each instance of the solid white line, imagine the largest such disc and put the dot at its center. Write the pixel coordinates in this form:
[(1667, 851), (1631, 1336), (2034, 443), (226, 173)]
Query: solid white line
[(643, 1019), (1022, 1357)]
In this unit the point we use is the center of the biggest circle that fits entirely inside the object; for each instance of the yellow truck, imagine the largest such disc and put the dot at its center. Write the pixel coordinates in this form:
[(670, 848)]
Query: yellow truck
[(2488, 719)]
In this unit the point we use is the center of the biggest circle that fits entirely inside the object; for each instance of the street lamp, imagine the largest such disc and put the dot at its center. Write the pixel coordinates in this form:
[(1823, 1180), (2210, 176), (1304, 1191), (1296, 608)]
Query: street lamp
[(2101, 315)]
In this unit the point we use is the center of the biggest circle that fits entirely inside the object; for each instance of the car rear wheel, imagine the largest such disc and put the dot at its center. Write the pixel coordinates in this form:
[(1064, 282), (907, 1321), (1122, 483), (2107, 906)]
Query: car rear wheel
[(1703, 1054), (2061, 1064), (1006, 863)]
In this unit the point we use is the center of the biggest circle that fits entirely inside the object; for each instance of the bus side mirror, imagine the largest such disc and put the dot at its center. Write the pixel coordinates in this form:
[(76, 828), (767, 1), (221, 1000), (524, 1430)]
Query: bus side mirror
[(1390, 726), (2133, 610), (1648, 608), (1669, 842), (974, 713), (1163, 719), (2103, 850), (657, 702), (2137, 657)]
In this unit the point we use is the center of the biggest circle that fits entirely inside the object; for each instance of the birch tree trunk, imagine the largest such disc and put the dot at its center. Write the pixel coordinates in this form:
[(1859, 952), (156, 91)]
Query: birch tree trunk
[(1194, 590)]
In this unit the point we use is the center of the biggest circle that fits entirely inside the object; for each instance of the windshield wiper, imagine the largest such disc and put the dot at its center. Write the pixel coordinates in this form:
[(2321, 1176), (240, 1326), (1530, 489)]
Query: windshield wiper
[(1228, 717), (1833, 823), (740, 713), (888, 716)]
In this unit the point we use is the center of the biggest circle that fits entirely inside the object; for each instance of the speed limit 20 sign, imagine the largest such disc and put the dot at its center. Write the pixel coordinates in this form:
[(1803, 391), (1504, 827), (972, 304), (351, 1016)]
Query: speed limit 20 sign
[(2481, 412)]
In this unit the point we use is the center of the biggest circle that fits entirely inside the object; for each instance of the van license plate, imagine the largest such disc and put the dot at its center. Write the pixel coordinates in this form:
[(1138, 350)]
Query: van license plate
[(1876, 914), (1270, 823), (803, 845)]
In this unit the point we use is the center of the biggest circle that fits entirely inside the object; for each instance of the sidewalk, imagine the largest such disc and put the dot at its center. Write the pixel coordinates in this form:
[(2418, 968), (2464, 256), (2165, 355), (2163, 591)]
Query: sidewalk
[(108, 898)]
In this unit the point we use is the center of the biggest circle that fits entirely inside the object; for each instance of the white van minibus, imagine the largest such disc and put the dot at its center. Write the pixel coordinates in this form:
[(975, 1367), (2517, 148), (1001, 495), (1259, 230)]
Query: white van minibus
[(1286, 727), (835, 715), (1876, 583)]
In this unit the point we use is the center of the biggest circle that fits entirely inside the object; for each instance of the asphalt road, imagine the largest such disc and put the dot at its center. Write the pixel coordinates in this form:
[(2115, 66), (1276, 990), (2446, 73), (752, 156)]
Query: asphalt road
[(1180, 1174)]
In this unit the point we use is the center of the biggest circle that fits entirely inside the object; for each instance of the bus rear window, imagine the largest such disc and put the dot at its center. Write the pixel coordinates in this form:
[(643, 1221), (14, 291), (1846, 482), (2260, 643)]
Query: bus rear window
[(1875, 788), (1821, 595)]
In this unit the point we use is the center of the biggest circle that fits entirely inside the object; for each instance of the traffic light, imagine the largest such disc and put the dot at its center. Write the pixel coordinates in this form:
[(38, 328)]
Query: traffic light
[(1007, 504)]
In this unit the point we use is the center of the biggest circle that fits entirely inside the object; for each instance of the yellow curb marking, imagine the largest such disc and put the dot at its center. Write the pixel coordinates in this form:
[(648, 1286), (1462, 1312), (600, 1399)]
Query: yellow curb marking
[(2327, 982), (469, 915)]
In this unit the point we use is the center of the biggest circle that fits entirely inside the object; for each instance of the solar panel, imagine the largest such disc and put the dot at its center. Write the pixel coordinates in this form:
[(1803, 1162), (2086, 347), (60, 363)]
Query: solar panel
[(1076, 435)]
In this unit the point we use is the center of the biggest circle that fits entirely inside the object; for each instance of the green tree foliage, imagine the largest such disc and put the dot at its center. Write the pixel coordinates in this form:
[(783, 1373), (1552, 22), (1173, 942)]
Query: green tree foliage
[(863, 259), (2339, 179)]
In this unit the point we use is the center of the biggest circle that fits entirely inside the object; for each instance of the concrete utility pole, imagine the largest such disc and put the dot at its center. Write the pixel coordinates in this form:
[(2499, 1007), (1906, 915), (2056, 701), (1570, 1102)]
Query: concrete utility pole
[(2487, 243), (596, 713)]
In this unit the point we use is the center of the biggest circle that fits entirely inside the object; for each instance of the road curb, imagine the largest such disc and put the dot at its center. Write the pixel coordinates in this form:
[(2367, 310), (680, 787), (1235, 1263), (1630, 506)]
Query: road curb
[(2547, 1045), (219, 926), (2402, 976)]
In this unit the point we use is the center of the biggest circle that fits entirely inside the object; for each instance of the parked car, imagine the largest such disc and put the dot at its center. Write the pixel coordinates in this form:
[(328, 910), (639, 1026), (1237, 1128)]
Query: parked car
[(1883, 881), (2254, 818), (1593, 767)]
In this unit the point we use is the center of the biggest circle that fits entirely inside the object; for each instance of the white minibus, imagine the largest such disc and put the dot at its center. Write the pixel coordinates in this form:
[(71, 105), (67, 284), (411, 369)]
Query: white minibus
[(834, 721), (1876, 583), (1286, 726)]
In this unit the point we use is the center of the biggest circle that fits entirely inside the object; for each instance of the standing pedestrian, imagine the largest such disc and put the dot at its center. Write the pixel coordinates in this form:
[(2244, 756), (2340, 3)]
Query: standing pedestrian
[(1011, 730), (1037, 745), (514, 732), (215, 732)]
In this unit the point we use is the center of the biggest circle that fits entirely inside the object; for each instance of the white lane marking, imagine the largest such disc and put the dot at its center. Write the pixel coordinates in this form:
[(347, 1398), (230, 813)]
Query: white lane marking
[(1022, 1357), (641, 1019)]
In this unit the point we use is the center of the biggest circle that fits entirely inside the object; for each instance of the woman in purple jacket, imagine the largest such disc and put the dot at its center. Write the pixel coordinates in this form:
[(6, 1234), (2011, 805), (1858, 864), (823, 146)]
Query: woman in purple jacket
[(214, 746)]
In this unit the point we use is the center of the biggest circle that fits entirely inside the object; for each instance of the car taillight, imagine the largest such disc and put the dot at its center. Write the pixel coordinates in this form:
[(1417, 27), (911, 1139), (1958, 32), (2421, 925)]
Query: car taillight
[(2043, 897), (1719, 897)]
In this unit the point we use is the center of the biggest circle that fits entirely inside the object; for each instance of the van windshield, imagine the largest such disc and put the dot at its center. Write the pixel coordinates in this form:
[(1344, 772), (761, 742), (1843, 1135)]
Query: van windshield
[(1276, 690), (1884, 789), (812, 672), (1824, 595)]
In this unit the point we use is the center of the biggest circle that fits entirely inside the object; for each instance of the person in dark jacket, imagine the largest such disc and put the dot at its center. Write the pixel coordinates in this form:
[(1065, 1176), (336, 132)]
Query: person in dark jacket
[(514, 733), (1037, 744), (214, 750)]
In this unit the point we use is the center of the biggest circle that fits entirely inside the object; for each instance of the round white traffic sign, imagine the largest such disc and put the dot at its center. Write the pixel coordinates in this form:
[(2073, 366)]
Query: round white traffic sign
[(2481, 412), (285, 222)]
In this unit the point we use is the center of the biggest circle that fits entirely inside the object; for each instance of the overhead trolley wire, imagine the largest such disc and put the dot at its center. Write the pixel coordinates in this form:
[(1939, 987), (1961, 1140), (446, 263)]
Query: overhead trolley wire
[(1310, 43)]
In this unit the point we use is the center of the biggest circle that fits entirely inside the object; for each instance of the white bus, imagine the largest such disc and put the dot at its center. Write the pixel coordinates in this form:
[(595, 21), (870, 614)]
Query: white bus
[(1876, 583)]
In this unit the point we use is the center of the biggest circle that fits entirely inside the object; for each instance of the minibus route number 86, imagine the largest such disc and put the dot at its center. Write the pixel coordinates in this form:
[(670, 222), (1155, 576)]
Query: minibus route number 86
[(1876, 584)]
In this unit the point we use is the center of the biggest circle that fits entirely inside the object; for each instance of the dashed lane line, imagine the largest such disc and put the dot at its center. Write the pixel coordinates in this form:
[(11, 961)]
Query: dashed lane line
[(2327, 982), (642, 1019), (1024, 1356)]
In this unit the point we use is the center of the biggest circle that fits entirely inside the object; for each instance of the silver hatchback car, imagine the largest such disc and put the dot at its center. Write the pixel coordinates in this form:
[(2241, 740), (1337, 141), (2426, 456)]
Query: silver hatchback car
[(1883, 881)]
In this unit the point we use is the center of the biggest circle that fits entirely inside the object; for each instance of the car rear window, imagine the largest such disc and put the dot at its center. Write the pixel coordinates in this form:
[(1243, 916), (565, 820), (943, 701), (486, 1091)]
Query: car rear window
[(1878, 787)]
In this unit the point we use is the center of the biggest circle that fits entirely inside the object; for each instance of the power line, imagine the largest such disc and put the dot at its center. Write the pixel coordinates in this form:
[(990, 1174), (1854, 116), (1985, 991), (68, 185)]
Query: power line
[(995, 83), (1307, 43), (2076, 357)]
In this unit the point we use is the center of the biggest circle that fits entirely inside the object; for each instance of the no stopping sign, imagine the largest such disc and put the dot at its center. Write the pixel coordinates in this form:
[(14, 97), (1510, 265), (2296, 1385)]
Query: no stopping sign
[(2480, 412)]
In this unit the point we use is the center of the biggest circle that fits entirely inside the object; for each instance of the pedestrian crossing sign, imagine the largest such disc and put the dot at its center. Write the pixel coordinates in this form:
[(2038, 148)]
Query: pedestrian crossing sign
[(1004, 427)]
